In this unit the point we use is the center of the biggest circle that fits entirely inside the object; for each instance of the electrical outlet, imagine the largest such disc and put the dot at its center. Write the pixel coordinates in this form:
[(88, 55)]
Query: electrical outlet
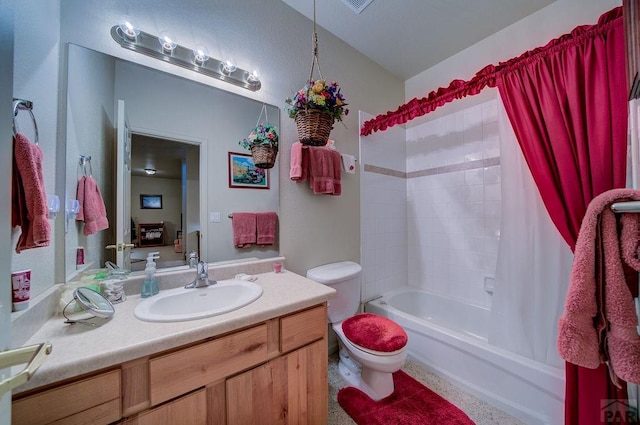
[(489, 282)]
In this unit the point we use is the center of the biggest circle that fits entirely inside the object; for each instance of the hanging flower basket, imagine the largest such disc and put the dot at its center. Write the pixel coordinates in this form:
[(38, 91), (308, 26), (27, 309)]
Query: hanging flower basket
[(315, 108), (313, 126), (318, 104), (264, 156), (263, 144)]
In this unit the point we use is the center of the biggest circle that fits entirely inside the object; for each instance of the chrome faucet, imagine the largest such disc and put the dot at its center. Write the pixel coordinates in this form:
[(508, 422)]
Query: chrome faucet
[(202, 277), (193, 260)]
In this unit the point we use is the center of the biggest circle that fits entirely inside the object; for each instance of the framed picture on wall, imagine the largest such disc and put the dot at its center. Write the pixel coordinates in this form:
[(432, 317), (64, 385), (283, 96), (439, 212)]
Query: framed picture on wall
[(244, 174), (151, 202)]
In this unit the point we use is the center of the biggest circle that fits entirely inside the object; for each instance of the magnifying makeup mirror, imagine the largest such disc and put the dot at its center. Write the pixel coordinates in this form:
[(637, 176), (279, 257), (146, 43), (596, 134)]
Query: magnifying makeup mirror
[(86, 305)]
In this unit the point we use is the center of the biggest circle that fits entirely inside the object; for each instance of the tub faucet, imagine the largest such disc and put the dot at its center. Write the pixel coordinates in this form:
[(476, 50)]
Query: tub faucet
[(202, 277)]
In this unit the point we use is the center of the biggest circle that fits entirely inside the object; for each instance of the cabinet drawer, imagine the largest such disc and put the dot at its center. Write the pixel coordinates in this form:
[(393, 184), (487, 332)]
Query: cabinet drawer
[(302, 328), (177, 373), (190, 409), (94, 400)]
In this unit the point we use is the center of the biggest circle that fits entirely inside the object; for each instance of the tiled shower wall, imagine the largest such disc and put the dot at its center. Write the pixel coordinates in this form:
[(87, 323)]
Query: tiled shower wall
[(383, 211), (453, 202)]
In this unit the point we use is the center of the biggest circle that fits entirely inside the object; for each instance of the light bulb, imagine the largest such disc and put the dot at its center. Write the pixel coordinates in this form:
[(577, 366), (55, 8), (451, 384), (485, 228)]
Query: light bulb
[(167, 42), (253, 77), (129, 28), (200, 55), (150, 171), (228, 66)]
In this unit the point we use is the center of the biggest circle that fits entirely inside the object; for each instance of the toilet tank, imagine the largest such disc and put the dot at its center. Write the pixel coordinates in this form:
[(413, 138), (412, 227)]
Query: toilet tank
[(345, 278)]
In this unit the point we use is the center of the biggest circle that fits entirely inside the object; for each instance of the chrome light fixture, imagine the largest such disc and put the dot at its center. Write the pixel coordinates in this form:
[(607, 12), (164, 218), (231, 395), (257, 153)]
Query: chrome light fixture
[(164, 48)]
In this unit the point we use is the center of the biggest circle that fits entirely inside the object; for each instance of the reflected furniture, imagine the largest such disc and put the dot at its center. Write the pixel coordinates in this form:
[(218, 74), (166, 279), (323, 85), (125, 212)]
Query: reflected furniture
[(151, 234)]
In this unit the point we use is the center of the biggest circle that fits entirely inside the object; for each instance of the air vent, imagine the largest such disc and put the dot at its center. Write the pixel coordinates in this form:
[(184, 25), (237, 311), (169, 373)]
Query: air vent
[(357, 5)]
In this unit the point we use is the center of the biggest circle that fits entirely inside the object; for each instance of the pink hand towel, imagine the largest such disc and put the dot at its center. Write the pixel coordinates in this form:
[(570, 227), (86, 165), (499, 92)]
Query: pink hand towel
[(598, 324), (324, 170), (244, 229), (266, 228), (298, 162), (92, 209), (29, 199)]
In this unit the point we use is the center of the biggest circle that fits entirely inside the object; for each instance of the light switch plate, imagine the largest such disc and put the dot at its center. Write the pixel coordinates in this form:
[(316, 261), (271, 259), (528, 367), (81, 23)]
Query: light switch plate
[(214, 217)]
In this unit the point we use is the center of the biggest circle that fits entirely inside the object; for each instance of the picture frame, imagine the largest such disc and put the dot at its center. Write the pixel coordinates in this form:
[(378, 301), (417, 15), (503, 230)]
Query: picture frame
[(151, 202), (243, 174)]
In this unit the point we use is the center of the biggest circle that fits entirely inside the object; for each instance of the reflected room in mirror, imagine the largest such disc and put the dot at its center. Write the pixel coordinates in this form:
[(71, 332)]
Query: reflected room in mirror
[(172, 138)]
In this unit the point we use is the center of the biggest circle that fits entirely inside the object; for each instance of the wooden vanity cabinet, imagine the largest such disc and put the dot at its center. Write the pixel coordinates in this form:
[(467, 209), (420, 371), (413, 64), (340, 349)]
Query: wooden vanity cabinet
[(93, 400), (274, 372)]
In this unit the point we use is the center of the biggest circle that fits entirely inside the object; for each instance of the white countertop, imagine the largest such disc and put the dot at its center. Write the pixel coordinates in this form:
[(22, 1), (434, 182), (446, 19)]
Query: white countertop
[(79, 349)]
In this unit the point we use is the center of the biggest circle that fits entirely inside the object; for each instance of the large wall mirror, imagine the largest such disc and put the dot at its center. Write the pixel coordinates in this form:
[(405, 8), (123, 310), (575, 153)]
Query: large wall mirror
[(181, 133)]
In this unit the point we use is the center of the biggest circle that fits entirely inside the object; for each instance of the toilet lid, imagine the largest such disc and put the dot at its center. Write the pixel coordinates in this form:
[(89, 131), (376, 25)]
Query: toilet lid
[(374, 332)]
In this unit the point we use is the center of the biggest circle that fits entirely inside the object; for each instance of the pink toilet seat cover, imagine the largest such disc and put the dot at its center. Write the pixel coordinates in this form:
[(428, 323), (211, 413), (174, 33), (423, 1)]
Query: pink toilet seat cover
[(374, 332)]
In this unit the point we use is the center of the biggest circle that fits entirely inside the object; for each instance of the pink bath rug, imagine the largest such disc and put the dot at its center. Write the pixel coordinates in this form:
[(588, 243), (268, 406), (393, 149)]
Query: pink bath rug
[(410, 404)]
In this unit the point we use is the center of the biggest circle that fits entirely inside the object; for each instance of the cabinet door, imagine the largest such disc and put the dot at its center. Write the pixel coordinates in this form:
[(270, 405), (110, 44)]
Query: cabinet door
[(292, 389), (190, 409)]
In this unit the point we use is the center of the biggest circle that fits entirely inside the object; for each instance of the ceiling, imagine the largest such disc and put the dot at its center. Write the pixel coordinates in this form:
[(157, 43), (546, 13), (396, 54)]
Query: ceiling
[(427, 31), (163, 155)]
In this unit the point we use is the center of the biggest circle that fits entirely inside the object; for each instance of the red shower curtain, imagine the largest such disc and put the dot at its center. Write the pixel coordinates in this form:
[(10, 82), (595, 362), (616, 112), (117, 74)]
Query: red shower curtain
[(567, 105)]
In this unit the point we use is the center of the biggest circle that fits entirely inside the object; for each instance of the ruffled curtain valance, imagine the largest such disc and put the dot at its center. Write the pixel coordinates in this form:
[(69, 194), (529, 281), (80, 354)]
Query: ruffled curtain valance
[(486, 77)]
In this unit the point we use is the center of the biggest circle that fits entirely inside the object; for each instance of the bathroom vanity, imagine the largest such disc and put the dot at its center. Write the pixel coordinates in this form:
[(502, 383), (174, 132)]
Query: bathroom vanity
[(264, 363)]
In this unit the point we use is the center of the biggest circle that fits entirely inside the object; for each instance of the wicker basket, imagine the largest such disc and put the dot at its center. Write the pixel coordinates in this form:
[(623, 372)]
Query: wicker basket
[(264, 156), (313, 127)]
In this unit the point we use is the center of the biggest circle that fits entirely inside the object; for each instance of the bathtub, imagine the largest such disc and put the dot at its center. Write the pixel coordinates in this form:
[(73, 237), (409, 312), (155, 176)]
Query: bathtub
[(450, 338)]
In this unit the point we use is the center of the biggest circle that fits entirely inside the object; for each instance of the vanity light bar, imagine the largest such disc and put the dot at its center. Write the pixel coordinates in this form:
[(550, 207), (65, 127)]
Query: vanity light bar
[(148, 44)]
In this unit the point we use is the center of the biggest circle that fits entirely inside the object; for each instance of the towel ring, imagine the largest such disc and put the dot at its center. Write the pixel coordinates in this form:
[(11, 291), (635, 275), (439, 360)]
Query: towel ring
[(24, 105)]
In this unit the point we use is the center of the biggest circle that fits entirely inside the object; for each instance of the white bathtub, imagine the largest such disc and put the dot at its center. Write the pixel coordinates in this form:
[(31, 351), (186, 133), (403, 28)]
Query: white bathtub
[(450, 338)]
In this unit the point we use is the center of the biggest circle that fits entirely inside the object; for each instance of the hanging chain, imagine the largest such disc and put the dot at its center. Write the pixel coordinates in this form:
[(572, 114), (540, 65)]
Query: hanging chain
[(315, 60)]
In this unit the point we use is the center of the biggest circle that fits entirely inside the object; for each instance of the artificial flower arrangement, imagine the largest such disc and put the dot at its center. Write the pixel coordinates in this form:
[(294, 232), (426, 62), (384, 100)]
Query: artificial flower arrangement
[(321, 96), (263, 134), (263, 144)]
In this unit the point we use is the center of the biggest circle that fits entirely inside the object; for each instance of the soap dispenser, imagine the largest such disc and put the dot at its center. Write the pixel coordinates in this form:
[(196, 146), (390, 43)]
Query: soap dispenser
[(150, 284)]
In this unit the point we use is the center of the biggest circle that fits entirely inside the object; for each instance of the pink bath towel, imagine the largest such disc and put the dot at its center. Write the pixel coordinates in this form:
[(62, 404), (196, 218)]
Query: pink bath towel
[(266, 228), (325, 170), (92, 210), (299, 162), (598, 324), (29, 200), (244, 229)]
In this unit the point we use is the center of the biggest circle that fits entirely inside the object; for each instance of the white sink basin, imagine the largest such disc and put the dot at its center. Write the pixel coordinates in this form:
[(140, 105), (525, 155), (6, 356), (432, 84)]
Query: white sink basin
[(180, 304)]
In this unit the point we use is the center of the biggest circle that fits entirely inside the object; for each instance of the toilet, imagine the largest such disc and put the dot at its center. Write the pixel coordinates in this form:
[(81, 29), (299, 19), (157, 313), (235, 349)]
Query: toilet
[(372, 347)]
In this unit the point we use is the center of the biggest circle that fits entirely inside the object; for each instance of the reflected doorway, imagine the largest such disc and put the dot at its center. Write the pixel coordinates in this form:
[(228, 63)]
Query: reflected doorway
[(165, 204)]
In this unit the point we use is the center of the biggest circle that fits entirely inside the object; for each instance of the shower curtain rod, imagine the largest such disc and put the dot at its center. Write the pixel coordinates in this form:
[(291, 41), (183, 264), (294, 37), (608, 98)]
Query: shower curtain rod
[(626, 207)]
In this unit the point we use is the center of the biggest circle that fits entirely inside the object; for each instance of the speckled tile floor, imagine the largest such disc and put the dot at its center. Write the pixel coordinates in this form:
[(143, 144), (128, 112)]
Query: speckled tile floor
[(479, 411)]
